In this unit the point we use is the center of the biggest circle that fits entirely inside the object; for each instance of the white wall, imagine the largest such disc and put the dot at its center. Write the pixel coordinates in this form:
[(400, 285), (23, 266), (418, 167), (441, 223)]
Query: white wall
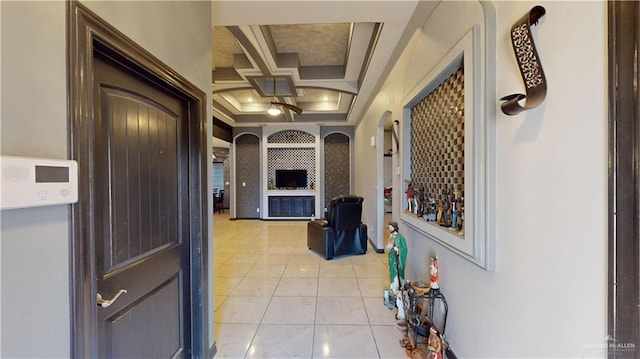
[(547, 295), (35, 242)]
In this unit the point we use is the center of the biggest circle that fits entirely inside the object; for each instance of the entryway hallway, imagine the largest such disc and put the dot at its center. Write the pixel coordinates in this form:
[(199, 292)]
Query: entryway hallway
[(276, 299)]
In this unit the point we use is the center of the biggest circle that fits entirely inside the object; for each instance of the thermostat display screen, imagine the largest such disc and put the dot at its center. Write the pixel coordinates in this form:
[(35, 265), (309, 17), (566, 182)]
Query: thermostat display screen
[(50, 174), (33, 182)]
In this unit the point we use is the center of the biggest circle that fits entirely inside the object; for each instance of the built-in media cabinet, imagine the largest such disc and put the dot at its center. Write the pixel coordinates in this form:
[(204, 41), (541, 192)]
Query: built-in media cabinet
[(291, 172), (292, 205)]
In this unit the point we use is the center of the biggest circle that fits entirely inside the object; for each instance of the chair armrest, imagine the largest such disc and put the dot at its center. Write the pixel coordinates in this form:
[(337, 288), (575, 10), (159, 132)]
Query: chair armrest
[(319, 223), (320, 238)]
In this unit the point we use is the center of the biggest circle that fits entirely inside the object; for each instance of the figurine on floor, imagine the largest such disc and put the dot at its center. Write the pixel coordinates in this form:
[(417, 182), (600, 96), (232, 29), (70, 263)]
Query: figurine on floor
[(396, 248), (434, 344)]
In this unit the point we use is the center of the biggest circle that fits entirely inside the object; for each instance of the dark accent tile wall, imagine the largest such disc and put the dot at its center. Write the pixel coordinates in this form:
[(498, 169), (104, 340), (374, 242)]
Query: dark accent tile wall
[(336, 166), (247, 173)]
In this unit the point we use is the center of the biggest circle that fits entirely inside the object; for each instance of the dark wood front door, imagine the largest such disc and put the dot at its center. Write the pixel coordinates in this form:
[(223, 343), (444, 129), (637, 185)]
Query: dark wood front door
[(138, 132), (141, 205)]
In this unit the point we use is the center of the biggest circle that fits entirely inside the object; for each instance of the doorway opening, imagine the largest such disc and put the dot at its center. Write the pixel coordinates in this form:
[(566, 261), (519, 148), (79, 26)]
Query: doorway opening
[(386, 162)]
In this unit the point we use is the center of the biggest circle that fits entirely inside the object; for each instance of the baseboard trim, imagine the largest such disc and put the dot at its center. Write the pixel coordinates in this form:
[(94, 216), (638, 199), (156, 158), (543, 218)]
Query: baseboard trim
[(373, 244)]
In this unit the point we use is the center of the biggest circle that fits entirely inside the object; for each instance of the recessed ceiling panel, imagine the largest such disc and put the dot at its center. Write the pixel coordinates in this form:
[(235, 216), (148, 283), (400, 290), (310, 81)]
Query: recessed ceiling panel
[(318, 95), (333, 55), (225, 46), (315, 44)]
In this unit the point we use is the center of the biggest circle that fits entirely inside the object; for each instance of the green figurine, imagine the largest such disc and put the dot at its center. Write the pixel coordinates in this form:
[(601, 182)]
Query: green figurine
[(397, 249)]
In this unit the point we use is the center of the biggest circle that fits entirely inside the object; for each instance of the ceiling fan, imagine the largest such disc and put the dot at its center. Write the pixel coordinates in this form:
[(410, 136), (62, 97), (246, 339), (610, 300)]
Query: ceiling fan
[(274, 110)]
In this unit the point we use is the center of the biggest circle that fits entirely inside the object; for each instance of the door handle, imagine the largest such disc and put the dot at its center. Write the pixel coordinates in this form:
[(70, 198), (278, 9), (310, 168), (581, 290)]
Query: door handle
[(107, 302)]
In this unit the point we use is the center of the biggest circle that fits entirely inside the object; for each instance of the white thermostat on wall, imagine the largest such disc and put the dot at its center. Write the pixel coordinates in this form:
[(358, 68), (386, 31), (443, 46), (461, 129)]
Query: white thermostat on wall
[(32, 182)]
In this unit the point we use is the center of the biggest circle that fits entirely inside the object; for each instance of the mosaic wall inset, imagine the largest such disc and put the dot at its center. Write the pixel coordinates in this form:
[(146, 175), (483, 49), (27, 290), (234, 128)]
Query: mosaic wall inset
[(292, 158), (247, 172), (291, 136), (336, 166), (437, 138)]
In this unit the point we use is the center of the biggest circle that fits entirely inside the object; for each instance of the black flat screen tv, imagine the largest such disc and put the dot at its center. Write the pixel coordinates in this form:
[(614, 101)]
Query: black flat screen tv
[(291, 179)]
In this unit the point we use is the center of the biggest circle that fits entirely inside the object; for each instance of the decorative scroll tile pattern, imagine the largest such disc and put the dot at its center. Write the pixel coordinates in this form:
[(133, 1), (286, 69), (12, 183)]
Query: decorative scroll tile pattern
[(525, 51), (292, 159), (291, 136), (336, 166), (437, 138)]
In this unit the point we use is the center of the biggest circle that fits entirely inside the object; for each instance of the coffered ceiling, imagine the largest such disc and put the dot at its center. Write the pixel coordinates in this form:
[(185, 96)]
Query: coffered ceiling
[(325, 58)]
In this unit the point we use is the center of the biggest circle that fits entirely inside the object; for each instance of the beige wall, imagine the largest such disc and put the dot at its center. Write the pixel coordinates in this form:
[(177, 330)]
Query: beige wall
[(34, 258), (547, 295)]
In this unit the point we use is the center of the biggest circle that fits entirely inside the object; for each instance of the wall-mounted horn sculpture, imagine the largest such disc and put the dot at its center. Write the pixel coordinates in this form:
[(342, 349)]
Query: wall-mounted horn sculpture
[(529, 63)]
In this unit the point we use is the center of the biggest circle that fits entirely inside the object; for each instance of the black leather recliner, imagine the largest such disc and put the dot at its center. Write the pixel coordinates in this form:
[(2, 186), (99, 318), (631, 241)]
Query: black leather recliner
[(342, 233)]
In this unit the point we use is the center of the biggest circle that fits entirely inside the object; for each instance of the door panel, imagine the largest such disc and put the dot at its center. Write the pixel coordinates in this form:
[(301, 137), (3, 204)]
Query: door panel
[(141, 200), (131, 323), (143, 170)]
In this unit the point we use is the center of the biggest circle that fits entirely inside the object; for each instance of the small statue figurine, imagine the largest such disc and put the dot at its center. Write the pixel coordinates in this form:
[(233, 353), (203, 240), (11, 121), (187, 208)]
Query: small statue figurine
[(433, 273), (445, 221), (431, 209), (396, 248), (434, 344), (454, 213), (410, 196), (271, 185), (461, 214), (401, 316), (421, 202), (439, 215)]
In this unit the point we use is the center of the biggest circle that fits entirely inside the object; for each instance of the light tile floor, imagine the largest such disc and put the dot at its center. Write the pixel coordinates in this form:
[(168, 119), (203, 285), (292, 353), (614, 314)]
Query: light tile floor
[(276, 299)]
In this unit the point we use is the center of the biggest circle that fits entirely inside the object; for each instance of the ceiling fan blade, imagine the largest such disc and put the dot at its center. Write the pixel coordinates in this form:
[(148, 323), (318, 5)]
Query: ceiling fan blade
[(293, 108)]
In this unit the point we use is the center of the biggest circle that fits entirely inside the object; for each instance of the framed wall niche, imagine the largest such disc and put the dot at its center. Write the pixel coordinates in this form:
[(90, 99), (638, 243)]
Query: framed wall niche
[(444, 147), (291, 149)]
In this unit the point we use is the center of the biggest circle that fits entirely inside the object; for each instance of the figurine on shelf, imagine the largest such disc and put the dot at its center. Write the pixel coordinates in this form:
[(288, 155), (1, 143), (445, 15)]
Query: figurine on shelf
[(461, 214), (433, 273), (312, 185), (445, 221), (430, 216), (421, 203), (271, 185), (434, 344), (410, 196), (439, 215), (396, 248), (454, 214)]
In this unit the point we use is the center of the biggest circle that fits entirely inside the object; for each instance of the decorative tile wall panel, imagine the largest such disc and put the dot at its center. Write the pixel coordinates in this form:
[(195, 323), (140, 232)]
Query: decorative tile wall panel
[(291, 136), (247, 173), (336, 166), (292, 159), (437, 138)]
